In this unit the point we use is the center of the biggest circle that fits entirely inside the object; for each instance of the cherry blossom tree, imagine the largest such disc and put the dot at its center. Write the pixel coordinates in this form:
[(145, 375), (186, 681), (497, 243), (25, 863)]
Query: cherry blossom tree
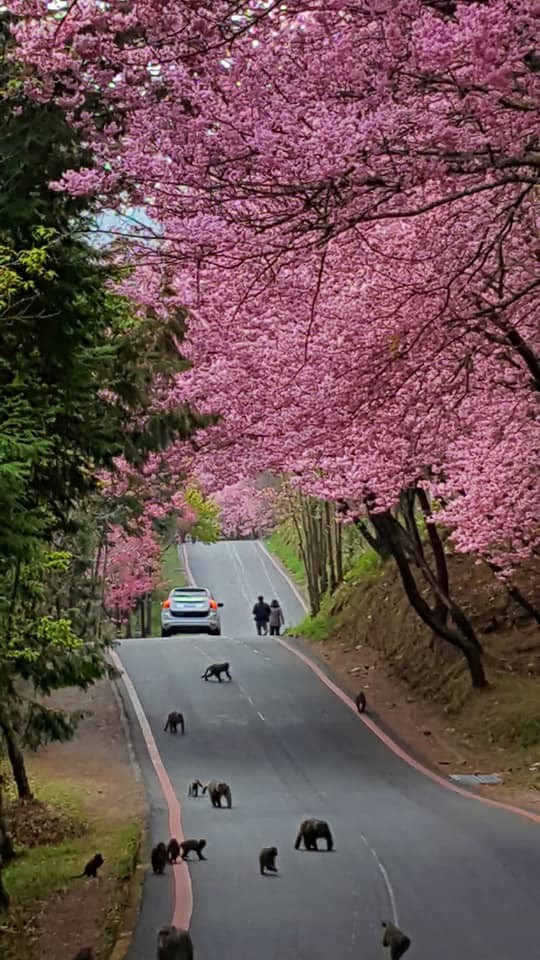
[(245, 509), (345, 201), (132, 568)]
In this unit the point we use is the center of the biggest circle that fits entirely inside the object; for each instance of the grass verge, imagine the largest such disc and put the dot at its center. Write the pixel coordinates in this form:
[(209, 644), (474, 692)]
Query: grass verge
[(172, 575), (42, 870), (334, 607), (288, 556)]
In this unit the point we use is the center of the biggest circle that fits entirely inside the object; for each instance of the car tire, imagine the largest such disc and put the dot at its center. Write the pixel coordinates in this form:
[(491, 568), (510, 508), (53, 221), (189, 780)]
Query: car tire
[(215, 633), (164, 632)]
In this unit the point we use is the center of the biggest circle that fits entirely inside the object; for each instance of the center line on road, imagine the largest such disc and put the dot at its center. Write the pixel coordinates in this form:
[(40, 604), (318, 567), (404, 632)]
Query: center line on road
[(260, 714), (384, 873)]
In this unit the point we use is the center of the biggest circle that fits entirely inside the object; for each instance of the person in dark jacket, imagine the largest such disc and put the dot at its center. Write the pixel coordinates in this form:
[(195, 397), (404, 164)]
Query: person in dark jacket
[(261, 612), (277, 619)]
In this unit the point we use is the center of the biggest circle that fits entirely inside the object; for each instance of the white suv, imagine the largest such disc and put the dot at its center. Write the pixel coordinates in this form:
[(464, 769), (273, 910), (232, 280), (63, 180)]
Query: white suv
[(190, 609)]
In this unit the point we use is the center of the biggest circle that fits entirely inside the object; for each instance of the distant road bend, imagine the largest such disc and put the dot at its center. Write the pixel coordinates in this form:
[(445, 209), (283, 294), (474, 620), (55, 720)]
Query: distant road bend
[(461, 876)]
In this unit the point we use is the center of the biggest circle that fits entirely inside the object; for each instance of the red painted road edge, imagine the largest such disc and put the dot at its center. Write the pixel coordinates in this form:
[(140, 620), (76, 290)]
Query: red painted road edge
[(395, 748), (183, 893)]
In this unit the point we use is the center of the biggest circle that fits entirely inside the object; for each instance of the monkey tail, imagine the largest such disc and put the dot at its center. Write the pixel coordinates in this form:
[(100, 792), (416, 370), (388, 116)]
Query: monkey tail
[(298, 841), (78, 876)]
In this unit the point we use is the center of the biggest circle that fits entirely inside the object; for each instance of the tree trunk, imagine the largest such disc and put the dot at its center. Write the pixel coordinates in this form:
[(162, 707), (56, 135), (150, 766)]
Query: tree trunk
[(16, 759), (311, 558), (439, 555), (377, 541), (339, 551), (140, 606), (516, 594), (6, 846), (320, 533), (330, 551), (462, 622), (522, 601), (4, 898), (149, 612), (470, 650), (475, 664)]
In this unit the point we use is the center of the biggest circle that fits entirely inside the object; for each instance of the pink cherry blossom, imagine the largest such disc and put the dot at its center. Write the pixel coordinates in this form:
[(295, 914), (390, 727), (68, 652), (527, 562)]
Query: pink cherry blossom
[(344, 201)]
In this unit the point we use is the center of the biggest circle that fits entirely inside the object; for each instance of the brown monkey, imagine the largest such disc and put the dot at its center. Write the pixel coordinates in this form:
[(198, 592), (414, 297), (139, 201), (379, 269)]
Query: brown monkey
[(173, 850), (197, 846), (91, 867), (85, 954), (267, 860), (194, 788), (174, 720), (360, 701), (394, 938), (217, 790), (174, 944), (158, 858), (215, 670), (310, 830)]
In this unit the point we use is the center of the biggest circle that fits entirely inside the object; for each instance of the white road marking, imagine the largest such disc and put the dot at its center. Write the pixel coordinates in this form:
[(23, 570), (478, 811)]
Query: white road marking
[(260, 715), (221, 718), (384, 873), (236, 557)]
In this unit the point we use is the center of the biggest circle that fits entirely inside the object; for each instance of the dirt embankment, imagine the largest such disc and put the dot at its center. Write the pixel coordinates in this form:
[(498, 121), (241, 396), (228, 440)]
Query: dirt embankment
[(421, 689), (88, 800)]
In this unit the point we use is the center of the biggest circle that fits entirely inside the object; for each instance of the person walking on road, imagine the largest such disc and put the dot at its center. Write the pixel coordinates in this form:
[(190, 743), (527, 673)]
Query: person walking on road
[(277, 619), (261, 612)]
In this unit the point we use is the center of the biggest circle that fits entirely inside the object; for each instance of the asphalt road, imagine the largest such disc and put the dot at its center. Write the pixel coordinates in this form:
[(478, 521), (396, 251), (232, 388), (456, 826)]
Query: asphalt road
[(462, 876)]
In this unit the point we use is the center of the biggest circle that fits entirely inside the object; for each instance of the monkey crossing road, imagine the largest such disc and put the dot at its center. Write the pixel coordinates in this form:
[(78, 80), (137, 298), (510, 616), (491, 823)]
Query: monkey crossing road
[(460, 877)]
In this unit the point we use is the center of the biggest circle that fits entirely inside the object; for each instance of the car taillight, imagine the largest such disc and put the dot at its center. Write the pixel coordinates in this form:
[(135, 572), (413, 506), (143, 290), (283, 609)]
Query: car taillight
[(166, 604), (213, 605)]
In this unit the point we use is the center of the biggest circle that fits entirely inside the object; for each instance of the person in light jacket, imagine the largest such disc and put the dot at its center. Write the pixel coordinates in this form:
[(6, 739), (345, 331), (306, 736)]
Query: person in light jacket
[(276, 618)]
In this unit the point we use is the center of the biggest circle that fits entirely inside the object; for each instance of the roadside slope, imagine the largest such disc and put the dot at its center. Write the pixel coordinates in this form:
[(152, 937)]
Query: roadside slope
[(88, 800)]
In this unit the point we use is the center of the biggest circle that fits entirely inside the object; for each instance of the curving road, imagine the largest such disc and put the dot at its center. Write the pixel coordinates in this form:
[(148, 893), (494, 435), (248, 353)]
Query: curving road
[(462, 876)]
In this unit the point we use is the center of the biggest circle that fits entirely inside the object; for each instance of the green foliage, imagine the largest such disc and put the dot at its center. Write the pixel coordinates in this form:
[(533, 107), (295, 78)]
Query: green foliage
[(318, 628), (172, 575), (77, 373), (321, 626), (207, 528), (288, 556), (365, 564)]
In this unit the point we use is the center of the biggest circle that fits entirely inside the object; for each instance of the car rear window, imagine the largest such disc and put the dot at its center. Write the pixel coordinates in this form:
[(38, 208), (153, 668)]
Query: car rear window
[(189, 593)]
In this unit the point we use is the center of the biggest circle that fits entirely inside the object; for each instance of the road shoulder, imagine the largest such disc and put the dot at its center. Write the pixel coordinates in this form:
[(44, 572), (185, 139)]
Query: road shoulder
[(414, 724), (91, 789)]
